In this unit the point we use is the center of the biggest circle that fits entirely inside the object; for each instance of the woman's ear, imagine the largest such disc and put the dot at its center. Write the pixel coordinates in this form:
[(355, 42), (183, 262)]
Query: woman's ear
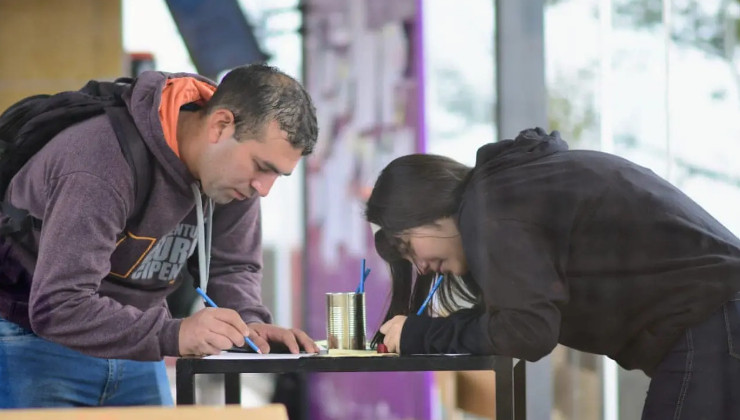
[(386, 246)]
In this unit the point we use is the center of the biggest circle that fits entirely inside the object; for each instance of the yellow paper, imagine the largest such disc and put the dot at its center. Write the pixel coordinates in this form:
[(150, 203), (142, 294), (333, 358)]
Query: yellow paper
[(350, 353), (355, 353)]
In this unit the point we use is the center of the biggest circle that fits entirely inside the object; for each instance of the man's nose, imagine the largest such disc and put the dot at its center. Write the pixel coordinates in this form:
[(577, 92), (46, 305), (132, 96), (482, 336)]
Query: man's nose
[(263, 184)]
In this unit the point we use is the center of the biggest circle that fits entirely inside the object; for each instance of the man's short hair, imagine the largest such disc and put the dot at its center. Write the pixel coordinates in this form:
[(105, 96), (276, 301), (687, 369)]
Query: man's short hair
[(257, 94)]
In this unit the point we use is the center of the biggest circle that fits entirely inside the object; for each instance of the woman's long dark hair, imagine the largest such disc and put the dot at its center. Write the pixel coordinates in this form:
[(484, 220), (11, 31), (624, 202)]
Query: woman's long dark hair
[(413, 191)]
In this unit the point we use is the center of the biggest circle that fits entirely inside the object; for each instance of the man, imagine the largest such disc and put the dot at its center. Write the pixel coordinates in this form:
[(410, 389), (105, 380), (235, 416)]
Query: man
[(83, 318)]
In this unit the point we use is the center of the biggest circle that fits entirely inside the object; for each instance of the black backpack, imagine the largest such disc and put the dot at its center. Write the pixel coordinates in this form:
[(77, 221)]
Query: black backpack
[(30, 123)]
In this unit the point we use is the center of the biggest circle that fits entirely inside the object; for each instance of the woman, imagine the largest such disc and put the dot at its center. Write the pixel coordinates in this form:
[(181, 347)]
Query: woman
[(540, 245)]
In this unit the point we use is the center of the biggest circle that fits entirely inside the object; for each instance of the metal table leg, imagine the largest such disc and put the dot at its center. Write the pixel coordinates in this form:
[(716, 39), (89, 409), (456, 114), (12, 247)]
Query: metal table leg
[(504, 389), (185, 382), (232, 388), (520, 392)]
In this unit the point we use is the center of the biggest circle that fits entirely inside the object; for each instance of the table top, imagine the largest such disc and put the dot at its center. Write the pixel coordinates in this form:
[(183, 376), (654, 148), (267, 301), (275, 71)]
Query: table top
[(432, 362)]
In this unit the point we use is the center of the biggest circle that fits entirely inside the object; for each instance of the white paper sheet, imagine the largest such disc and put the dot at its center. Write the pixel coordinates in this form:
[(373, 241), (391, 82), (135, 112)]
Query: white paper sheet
[(226, 355)]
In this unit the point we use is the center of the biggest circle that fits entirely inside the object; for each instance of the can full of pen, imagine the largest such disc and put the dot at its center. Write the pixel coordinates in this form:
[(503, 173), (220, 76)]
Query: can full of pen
[(345, 321)]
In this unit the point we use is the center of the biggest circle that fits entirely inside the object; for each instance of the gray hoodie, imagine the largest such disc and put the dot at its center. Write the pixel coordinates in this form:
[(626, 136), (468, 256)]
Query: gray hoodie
[(87, 283)]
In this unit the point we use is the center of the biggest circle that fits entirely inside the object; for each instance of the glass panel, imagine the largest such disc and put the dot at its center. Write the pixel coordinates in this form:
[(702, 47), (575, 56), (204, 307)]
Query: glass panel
[(639, 82), (704, 126), (572, 70), (658, 83), (459, 79)]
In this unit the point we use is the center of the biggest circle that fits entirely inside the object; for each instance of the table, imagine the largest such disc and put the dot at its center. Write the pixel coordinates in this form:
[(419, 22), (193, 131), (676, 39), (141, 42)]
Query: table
[(510, 374)]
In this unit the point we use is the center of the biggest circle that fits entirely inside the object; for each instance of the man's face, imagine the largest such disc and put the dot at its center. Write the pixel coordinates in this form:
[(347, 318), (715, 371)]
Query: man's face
[(238, 169)]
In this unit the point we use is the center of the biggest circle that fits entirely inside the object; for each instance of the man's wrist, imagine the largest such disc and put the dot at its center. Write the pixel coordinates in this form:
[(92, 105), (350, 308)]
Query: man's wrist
[(169, 337)]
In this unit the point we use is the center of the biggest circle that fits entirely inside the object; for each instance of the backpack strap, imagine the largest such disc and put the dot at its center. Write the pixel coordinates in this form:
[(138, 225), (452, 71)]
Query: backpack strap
[(137, 155)]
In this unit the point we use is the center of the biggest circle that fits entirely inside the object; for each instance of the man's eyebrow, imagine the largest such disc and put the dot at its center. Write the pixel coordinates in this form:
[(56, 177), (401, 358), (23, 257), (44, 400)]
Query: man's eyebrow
[(274, 169)]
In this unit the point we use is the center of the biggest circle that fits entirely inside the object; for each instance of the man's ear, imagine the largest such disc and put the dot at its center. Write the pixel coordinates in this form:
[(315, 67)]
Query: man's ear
[(219, 123)]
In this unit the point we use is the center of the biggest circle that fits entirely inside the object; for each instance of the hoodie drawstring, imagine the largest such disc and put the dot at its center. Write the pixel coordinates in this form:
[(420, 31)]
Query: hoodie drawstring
[(205, 234)]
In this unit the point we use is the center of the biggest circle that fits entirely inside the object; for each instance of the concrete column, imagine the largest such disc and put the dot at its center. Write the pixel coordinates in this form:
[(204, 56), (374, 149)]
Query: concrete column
[(522, 103)]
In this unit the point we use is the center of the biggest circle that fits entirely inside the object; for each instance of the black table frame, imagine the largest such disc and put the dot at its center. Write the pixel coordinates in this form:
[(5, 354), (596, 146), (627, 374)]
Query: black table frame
[(510, 377)]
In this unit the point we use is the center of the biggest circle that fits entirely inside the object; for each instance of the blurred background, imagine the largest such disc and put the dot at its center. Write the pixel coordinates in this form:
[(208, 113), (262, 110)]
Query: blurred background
[(656, 81)]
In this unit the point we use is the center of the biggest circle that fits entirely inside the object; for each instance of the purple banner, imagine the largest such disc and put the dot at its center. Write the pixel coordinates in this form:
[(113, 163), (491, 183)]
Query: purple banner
[(363, 69)]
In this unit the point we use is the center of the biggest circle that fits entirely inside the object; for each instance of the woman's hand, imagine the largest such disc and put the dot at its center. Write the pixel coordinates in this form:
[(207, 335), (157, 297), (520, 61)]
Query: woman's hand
[(392, 330)]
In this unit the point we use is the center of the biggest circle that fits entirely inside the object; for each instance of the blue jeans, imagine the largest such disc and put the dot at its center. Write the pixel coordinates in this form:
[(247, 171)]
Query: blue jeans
[(700, 377), (35, 372)]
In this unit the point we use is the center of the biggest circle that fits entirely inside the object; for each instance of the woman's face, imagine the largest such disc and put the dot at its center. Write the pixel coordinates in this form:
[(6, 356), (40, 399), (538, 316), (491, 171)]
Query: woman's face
[(435, 247)]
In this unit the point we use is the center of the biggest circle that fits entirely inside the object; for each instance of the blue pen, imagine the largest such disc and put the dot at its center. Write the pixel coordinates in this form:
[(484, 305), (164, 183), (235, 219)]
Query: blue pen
[(362, 277), (361, 287), (213, 304), (431, 293)]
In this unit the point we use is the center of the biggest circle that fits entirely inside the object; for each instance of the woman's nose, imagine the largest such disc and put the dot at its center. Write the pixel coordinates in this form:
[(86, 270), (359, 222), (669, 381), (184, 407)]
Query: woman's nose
[(422, 267)]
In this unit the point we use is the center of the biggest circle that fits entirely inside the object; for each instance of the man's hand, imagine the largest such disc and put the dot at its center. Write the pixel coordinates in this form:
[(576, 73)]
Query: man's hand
[(392, 330), (211, 330), (294, 339)]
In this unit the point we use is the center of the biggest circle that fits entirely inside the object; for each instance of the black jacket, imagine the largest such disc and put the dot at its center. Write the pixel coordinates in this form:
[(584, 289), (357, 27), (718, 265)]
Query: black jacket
[(580, 248)]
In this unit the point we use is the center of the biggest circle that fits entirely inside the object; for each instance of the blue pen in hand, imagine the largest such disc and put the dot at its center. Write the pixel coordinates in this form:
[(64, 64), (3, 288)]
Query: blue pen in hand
[(431, 293), (213, 304)]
